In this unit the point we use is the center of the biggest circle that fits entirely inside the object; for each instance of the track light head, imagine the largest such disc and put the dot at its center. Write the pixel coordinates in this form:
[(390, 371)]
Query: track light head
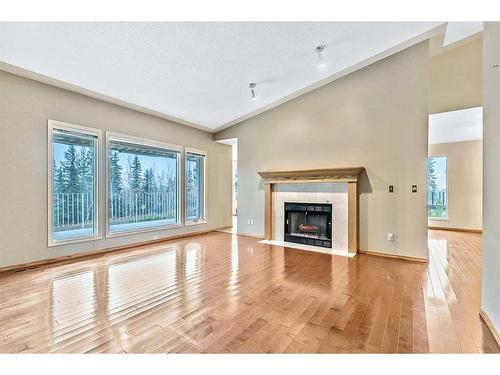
[(319, 54), (253, 95)]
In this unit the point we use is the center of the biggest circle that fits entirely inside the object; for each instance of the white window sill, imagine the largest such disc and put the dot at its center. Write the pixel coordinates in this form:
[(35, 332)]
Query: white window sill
[(53, 243), (143, 230), (201, 221), (438, 219)]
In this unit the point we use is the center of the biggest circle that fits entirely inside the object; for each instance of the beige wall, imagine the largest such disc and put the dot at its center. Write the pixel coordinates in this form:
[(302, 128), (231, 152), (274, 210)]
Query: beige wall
[(465, 174), (25, 106), (456, 78), (376, 118), (491, 160)]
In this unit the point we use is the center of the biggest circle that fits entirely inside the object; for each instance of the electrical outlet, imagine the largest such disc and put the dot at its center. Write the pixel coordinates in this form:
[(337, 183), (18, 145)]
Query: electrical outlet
[(413, 188), (390, 237), (391, 188)]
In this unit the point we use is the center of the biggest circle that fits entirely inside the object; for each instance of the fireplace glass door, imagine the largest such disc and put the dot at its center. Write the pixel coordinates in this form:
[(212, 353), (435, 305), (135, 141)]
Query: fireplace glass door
[(308, 223)]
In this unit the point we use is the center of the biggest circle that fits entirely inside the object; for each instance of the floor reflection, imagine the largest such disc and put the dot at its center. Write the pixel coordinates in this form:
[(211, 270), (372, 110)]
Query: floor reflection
[(194, 258), (74, 303), (234, 260), (226, 293)]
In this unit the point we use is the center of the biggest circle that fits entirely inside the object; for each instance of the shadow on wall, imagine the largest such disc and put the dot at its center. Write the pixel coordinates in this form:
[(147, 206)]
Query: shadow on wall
[(364, 187)]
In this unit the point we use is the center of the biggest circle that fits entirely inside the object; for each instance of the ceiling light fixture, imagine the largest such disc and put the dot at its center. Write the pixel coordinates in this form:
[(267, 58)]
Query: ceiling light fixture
[(252, 90), (319, 53)]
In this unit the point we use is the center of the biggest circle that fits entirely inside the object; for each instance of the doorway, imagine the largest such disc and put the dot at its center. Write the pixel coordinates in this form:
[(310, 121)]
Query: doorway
[(454, 170), (233, 142)]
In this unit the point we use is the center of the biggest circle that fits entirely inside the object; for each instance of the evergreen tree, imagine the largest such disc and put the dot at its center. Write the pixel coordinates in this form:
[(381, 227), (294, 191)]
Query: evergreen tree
[(71, 170), (192, 175), (59, 181), (149, 184), (86, 169), (59, 186), (171, 180), (189, 177), (135, 175), (161, 183), (431, 175), (115, 173)]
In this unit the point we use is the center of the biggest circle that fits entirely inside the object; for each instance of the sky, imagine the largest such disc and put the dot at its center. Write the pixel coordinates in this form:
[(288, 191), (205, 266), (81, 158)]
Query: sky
[(440, 168), (157, 163)]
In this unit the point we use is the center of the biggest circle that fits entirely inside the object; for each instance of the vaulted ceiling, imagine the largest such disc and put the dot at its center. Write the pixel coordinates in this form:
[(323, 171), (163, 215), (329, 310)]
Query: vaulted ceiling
[(198, 73), (456, 126)]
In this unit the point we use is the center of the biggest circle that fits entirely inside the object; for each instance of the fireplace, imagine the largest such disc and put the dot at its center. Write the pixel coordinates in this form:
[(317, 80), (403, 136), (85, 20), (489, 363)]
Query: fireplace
[(308, 223)]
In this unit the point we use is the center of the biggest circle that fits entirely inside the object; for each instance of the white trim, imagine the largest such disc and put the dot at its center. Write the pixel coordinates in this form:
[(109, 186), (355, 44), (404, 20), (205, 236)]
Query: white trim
[(54, 124), (204, 154), (189, 223), (146, 143), (195, 151), (142, 230), (447, 217)]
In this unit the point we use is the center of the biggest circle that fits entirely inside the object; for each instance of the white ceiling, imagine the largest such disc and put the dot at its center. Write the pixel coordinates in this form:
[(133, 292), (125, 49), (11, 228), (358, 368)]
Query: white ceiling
[(456, 31), (456, 126), (197, 73)]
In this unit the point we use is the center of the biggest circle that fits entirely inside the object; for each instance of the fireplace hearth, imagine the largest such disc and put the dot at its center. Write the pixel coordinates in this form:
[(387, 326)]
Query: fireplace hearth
[(308, 223)]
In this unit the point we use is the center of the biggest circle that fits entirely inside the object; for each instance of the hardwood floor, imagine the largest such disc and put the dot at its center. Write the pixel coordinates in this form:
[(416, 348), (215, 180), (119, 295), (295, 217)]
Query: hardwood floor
[(224, 293)]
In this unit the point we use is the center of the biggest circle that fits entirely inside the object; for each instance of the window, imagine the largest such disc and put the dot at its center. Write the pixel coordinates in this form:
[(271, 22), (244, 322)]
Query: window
[(437, 200), (143, 184), (73, 170), (195, 186)]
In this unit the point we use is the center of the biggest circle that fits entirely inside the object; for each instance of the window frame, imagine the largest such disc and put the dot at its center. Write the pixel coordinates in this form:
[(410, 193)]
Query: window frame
[(447, 217), (54, 124), (203, 220), (148, 143)]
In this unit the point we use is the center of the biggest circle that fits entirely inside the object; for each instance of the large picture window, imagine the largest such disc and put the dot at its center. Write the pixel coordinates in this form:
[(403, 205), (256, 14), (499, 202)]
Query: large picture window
[(73, 171), (143, 184), (195, 186), (437, 200)]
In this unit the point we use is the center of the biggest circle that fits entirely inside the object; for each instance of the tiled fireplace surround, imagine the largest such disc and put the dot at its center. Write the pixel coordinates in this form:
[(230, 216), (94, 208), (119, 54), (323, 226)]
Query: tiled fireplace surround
[(338, 186), (334, 193)]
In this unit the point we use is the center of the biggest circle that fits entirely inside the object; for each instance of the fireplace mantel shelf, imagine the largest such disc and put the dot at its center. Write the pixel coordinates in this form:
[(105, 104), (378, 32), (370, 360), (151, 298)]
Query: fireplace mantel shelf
[(347, 175), (312, 175)]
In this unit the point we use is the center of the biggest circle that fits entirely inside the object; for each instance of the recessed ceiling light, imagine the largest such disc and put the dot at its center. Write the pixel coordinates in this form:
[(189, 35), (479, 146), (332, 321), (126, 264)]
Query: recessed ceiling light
[(321, 64), (253, 95)]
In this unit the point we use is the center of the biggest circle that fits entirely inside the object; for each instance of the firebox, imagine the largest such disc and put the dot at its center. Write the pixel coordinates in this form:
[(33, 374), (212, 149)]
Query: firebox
[(308, 223)]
